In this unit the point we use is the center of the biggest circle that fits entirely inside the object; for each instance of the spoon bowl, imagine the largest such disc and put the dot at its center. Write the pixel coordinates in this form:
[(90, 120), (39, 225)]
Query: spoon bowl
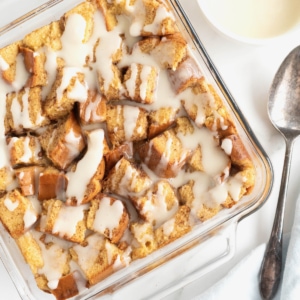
[(284, 113)]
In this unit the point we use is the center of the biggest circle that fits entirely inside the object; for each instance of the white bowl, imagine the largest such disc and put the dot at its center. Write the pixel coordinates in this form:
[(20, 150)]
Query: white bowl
[(253, 21)]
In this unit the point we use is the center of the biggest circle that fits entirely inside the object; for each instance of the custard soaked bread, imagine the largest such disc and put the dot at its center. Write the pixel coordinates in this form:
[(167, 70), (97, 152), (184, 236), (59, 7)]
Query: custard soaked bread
[(113, 144)]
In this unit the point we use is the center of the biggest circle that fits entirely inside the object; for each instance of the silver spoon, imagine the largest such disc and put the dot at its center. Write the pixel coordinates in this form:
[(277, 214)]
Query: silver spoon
[(284, 112)]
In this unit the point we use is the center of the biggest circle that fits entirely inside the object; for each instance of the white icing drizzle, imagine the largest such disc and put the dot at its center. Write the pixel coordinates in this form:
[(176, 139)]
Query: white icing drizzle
[(67, 220), (21, 73), (11, 205), (130, 114), (3, 64), (108, 215), (27, 152), (30, 217), (131, 82), (86, 167), (54, 258), (227, 146), (72, 143), (91, 110), (146, 71), (155, 207), (88, 255), (79, 90), (168, 227), (160, 15)]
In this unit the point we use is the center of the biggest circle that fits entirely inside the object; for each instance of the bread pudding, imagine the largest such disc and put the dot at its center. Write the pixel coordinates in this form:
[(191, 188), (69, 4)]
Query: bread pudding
[(114, 142)]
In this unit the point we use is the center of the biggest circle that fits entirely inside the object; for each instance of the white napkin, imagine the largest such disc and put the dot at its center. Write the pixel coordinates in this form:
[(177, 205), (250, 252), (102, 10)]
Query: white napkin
[(242, 282)]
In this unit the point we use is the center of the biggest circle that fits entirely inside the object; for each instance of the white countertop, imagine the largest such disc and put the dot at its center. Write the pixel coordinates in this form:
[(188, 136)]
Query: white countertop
[(248, 72)]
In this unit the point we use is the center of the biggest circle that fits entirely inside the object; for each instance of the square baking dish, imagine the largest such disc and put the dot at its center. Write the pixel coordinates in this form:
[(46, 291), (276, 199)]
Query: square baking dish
[(203, 235)]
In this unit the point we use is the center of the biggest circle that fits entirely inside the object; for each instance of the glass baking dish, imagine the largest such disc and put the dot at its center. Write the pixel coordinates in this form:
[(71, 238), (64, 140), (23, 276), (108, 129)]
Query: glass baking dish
[(209, 244)]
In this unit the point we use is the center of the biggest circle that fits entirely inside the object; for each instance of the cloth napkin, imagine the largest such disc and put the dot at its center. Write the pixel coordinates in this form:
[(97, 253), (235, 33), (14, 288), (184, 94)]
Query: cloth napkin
[(242, 282)]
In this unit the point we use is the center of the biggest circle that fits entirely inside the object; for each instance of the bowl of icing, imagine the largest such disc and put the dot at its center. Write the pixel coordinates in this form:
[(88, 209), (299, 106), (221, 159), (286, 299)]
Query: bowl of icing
[(253, 21)]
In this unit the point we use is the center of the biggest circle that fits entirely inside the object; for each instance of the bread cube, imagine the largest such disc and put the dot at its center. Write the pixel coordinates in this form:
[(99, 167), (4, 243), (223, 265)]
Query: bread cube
[(174, 228), (48, 35), (27, 178), (24, 111), (171, 51), (158, 204), (34, 62), (24, 150), (150, 17), (140, 82), (69, 87), (160, 120), (110, 85), (8, 58), (67, 287), (164, 154), (63, 142), (125, 179), (144, 241), (98, 258), (52, 184), (17, 213), (115, 154), (126, 123), (187, 74), (108, 216), (93, 110), (67, 222), (109, 10), (6, 179), (87, 10), (90, 169), (47, 257)]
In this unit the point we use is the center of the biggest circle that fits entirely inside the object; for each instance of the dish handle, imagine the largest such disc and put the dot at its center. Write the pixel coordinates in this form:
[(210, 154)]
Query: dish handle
[(186, 267)]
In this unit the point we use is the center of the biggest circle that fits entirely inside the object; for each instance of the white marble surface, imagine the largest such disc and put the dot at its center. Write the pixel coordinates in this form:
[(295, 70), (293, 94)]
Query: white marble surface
[(248, 71)]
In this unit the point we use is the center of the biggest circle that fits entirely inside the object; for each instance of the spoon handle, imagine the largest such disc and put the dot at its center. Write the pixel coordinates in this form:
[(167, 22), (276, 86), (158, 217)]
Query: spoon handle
[(271, 267)]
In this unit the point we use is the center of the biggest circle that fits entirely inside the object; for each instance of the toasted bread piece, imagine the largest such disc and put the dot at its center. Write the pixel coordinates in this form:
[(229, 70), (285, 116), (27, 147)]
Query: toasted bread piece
[(68, 88), (90, 169), (126, 123), (6, 179), (28, 178), (48, 35), (67, 222), (110, 85), (17, 213), (187, 74), (144, 241), (8, 56), (150, 17), (52, 184), (24, 150), (115, 154), (170, 51), (164, 154), (34, 63), (24, 111), (31, 251), (108, 216), (67, 287), (126, 179), (98, 258), (140, 82), (174, 228), (158, 204), (86, 10), (93, 110), (160, 120), (63, 142)]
